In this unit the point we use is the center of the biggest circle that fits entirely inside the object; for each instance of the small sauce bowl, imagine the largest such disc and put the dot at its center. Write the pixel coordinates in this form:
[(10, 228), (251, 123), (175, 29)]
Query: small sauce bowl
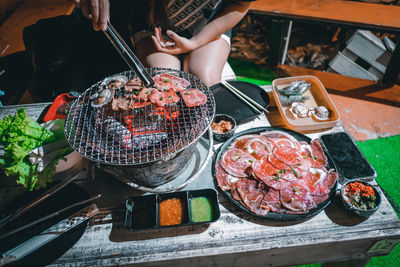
[(352, 205), (226, 135)]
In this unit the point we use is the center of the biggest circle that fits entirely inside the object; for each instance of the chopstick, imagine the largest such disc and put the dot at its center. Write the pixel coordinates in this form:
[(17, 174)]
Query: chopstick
[(250, 102), (51, 215), (39, 199)]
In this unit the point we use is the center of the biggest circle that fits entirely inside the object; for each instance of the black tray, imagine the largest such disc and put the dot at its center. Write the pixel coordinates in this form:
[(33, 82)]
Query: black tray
[(142, 212), (50, 251), (228, 103), (273, 215)]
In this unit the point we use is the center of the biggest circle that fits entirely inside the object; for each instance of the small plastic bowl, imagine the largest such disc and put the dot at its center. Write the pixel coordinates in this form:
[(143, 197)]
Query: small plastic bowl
[(224, 136), (354, 210)]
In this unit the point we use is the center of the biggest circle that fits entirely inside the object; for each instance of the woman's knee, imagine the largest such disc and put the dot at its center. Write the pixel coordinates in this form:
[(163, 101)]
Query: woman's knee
[(207, 75)]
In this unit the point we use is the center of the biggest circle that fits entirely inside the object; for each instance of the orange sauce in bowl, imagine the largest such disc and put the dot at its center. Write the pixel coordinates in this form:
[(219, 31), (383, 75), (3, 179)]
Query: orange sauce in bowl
[(171, 212)]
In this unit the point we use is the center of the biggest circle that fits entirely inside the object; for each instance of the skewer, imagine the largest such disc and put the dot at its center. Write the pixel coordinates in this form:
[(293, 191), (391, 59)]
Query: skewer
[(256, 110), (258, 106), (39, 199), (50, 216)]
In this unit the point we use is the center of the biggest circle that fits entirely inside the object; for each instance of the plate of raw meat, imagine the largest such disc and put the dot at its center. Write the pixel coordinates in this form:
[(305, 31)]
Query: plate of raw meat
[(275, 173)]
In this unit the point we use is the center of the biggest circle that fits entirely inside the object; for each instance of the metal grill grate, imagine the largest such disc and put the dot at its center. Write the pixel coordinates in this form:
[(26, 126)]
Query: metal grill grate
[(154, 133)]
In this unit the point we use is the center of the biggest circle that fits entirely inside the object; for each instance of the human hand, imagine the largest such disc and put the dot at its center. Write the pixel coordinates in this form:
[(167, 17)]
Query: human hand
[(177, 44), (97, 10)]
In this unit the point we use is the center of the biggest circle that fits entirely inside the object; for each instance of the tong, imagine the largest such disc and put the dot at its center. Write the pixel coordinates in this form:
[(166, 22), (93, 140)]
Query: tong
[(127, 54)]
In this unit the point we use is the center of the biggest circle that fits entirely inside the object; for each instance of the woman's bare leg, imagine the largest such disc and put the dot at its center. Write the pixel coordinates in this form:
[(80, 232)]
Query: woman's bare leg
[(150, 57), (208, 61)]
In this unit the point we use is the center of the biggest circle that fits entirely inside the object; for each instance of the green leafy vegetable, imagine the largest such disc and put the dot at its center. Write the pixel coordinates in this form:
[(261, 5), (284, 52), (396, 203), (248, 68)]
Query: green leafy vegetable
[(19, 134)]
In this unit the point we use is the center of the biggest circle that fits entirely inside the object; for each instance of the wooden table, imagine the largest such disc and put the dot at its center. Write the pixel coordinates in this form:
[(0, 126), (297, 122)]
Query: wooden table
[(237, 238)]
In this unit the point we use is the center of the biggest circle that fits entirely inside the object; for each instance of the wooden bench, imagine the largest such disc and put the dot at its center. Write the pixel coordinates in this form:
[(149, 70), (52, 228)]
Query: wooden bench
[(17, 71), (360, 15)]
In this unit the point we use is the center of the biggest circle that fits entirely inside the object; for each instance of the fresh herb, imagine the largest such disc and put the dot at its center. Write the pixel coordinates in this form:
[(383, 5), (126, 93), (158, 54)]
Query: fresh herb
[(166, 80), (161, 98), (315, 157), (250, 161), (298, 164), (137, 92), (295, 172), (236, 154), (295, 189), (147, 92), (169, 97), (276, 177)]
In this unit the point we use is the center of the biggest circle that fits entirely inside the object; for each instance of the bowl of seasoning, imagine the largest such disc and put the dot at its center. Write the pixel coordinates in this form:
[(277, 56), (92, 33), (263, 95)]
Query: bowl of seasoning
[(223, 127), (360, 198)]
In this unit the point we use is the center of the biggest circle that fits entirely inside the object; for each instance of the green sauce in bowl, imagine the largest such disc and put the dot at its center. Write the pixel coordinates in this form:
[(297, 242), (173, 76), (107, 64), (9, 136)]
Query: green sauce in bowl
[(201, 210)]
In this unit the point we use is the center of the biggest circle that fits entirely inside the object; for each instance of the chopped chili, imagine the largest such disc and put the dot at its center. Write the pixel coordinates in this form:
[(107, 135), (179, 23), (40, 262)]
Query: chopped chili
[(364, 190)]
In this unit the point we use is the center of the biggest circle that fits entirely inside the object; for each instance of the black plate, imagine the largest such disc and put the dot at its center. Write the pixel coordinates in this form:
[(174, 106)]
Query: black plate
[(228, 103), (48, 253), (273, 215)]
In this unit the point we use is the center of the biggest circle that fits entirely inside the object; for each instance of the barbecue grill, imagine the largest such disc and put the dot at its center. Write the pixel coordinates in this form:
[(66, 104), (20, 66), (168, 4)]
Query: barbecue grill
[(147, 144)]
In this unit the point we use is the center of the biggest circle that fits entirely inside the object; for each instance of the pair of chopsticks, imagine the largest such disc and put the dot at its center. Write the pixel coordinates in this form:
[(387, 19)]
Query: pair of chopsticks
[(51, 215), (247, 100), (38, 200)]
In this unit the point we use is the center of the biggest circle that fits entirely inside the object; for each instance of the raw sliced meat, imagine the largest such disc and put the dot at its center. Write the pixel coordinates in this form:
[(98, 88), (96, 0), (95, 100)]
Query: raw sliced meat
[(258, 147), (241, 141), (320, 181), (168, 81), (236, 196), (225, 180), (251, 195), (288, 176), (236, 162), (297, 198), (272, 201), (315, 182), (287, 155), (282, 139), (268, 174), (331, 179), (163, 98), (319, 157), (277, 163), (193, 97)]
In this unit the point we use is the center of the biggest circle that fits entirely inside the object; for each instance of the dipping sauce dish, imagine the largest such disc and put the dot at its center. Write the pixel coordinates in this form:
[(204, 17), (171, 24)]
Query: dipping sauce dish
[(360, 198), (171, 209)]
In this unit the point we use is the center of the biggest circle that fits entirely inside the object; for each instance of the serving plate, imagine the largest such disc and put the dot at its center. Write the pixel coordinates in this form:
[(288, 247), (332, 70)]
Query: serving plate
[(317, 96), (273, 215), (228, 103)]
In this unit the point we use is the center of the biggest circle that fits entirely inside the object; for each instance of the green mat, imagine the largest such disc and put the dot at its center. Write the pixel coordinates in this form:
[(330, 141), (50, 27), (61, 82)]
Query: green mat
[(382, 153), (384, 156)]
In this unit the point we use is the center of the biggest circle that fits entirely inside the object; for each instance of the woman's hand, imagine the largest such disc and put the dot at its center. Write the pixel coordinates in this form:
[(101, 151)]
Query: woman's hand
[(97, 10), (176, 45)]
